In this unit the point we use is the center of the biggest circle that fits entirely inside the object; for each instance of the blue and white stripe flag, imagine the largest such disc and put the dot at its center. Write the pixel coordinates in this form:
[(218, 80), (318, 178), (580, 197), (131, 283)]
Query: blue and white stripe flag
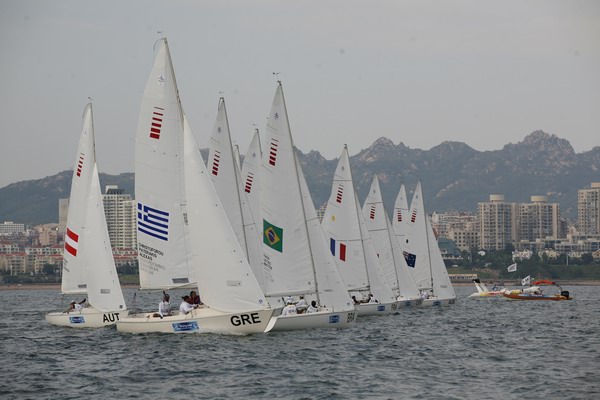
[(153, 222)]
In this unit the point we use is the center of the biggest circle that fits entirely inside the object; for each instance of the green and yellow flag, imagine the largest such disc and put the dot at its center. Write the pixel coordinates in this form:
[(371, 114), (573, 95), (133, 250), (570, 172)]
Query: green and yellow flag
[(273, 236)]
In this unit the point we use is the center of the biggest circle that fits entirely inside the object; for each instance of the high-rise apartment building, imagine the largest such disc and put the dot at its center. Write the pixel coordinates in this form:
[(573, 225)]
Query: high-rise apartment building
[(120, 211), (538, 219), (588, 210), (63, 213), (497, 223)]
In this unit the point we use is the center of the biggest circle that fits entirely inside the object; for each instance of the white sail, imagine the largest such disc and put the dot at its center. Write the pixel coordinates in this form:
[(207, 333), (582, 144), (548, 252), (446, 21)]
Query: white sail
[(400, 216), (251, 212), (296, 258), (442, 286), (349, 239), (163, 247), (414, 242), (74, 279), (104, 289), (225, 173), (227, 283), (386, 245), (288, 262)]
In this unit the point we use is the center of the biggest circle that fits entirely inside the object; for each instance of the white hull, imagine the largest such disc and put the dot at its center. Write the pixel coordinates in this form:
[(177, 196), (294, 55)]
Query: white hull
[(321, 319), (404, 302), (365, 309), (202, 320), (435, 301), (89, 317), (490, 294)]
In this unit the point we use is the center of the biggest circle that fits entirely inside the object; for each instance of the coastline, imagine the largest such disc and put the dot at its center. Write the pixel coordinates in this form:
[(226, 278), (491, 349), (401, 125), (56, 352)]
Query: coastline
[(56, 286)]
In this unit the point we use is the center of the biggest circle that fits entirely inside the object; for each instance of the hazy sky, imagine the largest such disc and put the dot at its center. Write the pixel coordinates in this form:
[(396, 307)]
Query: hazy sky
[(419, 72)]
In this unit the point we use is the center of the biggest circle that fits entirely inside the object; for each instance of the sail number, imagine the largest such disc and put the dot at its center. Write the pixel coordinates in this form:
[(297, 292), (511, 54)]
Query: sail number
[(110, 317), (245, 319)]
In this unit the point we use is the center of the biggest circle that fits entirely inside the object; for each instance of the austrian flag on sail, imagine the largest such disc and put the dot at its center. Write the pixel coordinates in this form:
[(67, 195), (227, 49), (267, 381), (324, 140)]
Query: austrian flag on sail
[(71, 241)]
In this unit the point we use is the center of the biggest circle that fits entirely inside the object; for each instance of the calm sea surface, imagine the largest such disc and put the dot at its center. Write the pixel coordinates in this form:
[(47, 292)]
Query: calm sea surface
[(476, 349)]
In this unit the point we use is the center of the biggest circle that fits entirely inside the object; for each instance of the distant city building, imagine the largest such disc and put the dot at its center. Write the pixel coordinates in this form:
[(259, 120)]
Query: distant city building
[(538, 219), (120, 211), (497, 223), (9, 227), (588, 209), (48, 234)]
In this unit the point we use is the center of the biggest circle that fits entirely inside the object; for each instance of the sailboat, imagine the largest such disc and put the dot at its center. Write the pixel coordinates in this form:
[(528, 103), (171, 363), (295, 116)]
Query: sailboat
[(184, 236), (225, 173), (88, 264), (350, 244), (388, 249), (422, 254), (297, 260)]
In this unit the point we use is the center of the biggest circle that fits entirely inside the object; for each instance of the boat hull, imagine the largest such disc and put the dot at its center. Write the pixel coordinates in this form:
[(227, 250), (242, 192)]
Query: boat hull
[(437, 302), (202, 320), (484, 295), (89, 317), (404, 302), (531, 296), (318, 320), (365, 309)]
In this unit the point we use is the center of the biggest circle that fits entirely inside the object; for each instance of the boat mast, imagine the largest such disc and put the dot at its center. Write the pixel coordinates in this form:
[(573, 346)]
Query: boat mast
[(236, 173), (427, 236), (300, 191)]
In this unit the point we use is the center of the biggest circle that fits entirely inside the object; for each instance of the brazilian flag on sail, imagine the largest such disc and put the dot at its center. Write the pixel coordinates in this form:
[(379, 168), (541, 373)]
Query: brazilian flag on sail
[(273, 236)]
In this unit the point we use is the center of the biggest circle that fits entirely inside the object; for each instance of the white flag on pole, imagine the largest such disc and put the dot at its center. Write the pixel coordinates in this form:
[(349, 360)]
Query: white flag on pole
[(512, 267), (526, 281)]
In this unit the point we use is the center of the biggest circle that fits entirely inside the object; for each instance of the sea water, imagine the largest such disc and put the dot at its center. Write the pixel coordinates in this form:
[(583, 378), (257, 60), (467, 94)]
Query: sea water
[(475, 349)]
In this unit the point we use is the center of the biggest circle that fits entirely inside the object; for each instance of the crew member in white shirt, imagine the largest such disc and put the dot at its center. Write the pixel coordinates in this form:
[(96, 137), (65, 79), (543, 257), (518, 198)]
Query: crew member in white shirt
[(290, 309), (186, 307), (312, 308)]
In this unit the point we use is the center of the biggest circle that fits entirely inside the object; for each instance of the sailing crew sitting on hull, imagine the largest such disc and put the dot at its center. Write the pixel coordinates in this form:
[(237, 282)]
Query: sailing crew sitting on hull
[(301, 305), (195, 298), (290, 309), (312, 308), (372, 299), (424, 295), (164, 307), (74, 306), (354, 300), (186, 305)]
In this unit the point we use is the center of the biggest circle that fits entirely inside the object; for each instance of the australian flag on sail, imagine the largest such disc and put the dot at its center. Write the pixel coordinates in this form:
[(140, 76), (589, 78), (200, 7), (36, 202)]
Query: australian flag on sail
[(153, 222), (411, 259)]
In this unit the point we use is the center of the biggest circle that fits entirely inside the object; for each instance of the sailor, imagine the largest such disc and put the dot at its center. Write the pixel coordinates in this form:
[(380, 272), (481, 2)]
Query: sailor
[(74, 306), (164, 307), (354, 300), (301, 305), (195, 298), (290, 309), (372, 299), (186, 305), (312, 308)]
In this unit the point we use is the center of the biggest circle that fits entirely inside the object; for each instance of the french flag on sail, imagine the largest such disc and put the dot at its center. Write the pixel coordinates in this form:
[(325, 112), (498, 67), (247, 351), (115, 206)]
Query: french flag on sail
[(338, 249), (153, 222), (71, 242)]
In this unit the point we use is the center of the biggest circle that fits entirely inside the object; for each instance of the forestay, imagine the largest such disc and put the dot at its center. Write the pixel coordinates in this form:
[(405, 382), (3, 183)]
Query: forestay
[(227, 283)]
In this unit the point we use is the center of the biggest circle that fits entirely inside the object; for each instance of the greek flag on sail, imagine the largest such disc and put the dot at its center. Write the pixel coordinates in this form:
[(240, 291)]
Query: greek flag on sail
[(153, 222)]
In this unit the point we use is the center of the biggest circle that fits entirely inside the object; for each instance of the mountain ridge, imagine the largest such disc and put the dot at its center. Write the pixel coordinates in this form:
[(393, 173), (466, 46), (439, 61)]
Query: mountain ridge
[(455, 176)]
